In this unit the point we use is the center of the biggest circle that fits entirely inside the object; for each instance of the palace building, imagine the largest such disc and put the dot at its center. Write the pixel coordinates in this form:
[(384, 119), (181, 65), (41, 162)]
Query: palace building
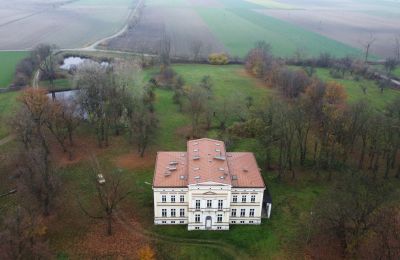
[(207, 188)]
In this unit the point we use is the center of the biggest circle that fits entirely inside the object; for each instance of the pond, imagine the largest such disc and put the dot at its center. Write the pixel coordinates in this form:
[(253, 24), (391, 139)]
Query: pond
[(68, 95), (73, 62)]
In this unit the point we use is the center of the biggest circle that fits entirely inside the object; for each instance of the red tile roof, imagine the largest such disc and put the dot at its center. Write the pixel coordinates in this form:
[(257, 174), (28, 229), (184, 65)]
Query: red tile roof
[(206, 160)]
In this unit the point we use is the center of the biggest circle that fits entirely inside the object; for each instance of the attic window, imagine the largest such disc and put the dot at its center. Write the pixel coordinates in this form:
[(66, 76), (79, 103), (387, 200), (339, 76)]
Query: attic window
[(196, 168), (195, 150), (220, 157), (245, 170), (182, 177), (197, 177), (171, 168), (218, 150), (221, 169), (217, 144), (173, 163), (167, 173), (196, 143), (183, 155), (234, 177), (196, 157), (222, 177)]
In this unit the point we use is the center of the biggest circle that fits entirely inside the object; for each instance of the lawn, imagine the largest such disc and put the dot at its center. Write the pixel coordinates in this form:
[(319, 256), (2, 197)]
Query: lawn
[(58, 83), (7, 105), (8, 62), (239, 28), (354, 92)]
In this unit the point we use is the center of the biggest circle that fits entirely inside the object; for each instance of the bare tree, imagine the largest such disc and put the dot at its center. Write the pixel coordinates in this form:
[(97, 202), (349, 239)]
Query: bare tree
[(165, 49), (196, 48), (22, 237), (110, 192), (397, 48), (367, 44), (47, 62)]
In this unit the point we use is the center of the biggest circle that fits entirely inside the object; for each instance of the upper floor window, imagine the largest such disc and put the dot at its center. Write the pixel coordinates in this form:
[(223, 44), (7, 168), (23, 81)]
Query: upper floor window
[(173, 212), (182, 198), (173, 198), (233, 212), (164, 212), (220, 204), (197, 204), (182, 212), (219, 218), (234, 198), (209, 203), (242, 212), (243, 198), (164, 198), (253, 198), (197, 218), (251, 212)]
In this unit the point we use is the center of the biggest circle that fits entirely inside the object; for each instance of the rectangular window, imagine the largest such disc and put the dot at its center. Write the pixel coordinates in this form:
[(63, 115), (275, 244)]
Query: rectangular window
[(219, 218), (182, 198), (243, 198), (164, 198), (253, 198), (197, 218), (209, 203), (173, 198), (182, 212), (164, 212), (220, 204), (251, 212), (234, 198), (242, 212), (197, 204), (233, 212), (173, 212)]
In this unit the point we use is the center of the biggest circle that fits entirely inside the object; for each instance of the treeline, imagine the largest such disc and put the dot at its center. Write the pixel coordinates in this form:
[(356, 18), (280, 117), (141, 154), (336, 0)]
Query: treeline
[(313, 123)]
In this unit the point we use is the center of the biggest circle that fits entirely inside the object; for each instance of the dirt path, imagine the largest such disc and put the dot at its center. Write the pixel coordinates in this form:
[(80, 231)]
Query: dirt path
[(226, 248), (6, 140)]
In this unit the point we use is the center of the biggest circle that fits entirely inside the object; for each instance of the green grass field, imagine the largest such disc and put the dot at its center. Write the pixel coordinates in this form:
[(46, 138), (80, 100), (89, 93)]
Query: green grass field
[(7, 104), (239, 28), (8, 61), (354, 92)]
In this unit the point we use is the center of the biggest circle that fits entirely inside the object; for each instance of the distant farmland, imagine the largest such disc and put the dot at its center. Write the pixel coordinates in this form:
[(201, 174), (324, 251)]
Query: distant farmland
[(69, 24), (224, 25)]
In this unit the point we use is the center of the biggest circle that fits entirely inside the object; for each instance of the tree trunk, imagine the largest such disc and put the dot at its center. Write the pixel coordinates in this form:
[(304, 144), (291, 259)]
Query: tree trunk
[(109, 224), (361, 161)]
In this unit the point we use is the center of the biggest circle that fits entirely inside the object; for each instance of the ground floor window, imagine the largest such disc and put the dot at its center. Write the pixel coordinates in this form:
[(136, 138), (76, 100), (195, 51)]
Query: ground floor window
[(182, 212), (219, 218), (197, 218), (164, 212), (242, 212), (233, 212), (173, 212)]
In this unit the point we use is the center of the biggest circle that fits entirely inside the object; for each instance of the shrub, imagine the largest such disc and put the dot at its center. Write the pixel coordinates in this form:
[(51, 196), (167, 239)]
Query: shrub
[(218, 59)]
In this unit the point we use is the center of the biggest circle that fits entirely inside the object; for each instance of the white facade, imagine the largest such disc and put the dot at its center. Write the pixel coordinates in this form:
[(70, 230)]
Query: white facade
[(208, 206)]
